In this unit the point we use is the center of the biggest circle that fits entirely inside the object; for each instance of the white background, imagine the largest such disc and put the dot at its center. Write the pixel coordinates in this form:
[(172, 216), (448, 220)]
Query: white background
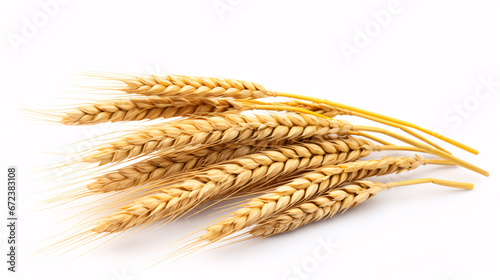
[(426, 65)]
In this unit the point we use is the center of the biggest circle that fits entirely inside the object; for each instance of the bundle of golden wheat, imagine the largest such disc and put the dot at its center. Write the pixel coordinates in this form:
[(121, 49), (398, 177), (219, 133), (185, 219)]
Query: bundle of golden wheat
[(302, 162)]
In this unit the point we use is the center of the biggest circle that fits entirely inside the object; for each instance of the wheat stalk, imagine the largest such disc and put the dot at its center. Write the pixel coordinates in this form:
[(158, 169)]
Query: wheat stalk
[(154, 107), (218, 129), (303, 188), (146, 108), (378, 117), (339, 199), (230, 176), (174, 85)]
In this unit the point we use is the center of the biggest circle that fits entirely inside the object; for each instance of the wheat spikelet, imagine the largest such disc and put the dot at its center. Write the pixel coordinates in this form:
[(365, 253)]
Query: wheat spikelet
[(173, 85), (161, 166), (218, 129), (146, 108), (310, 185), (231, 176)]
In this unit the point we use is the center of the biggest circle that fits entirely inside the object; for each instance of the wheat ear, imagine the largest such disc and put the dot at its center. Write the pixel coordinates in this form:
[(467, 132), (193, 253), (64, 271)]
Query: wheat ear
[(230, 176), (146, 108), (339, 199), (163, 166), (303, 188), (216, 130), (174, 85)]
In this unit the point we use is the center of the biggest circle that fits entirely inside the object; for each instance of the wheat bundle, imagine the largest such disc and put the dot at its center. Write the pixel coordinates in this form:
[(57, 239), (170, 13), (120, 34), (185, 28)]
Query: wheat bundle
[(302, 160)]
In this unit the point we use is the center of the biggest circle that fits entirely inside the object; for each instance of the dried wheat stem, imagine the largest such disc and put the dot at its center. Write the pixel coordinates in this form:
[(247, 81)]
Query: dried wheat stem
[(216, 130), (303, 188), (146, 108), (381, 117), (174, 85), (231, 176), (339, 199), (407, 130), (330, 111), (426, 148)]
